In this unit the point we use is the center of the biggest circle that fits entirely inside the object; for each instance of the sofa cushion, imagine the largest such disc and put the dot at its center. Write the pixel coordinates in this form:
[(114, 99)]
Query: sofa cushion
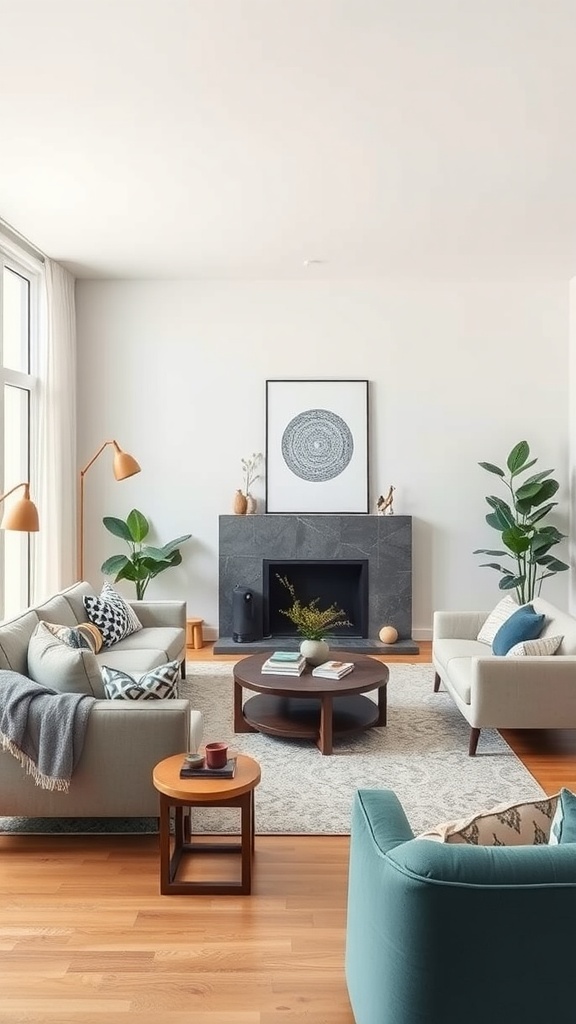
[(557, 623), (159, 684), (65, 669), (112, 614), (563, 829), (14, 638), (523, 624), (445, 651), (131, 661), (503, 610), (527, 823), (540, 647), (158, 638)]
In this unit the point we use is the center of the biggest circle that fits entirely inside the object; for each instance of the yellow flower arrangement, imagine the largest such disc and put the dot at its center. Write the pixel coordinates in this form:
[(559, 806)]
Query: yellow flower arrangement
[(310, 621)]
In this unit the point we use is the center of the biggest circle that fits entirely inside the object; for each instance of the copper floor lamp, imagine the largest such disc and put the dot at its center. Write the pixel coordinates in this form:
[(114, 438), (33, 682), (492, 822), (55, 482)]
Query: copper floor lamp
[(124, 466)]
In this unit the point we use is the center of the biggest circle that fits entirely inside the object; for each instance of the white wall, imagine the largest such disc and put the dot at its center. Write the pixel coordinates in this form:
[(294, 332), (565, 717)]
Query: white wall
[(175, 371)]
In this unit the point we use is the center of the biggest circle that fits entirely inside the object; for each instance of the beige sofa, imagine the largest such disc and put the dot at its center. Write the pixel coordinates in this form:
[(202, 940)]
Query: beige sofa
[(124, 739), (506, 692)]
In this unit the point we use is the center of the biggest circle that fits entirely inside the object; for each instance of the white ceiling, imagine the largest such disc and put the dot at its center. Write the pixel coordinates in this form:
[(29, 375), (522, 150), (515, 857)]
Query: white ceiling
[(238, 138)]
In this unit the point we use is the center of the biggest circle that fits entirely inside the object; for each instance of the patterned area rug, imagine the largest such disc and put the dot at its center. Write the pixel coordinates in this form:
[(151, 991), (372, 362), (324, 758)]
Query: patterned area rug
[(422, 754)]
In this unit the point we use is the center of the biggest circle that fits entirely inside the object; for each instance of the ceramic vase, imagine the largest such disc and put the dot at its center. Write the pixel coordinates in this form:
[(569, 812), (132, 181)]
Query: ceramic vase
[(251, 505), (240, 503), (315, 651)]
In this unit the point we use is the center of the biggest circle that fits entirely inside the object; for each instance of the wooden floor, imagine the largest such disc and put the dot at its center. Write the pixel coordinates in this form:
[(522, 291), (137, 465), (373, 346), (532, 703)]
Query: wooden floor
[(85, 937)]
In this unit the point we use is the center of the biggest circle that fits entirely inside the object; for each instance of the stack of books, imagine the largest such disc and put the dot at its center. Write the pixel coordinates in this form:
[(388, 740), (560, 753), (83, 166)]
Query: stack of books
[(284, 663), (333, 669)]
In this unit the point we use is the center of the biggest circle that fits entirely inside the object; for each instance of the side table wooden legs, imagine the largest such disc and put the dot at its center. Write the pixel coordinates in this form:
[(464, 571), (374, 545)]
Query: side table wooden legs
[(170, 860)]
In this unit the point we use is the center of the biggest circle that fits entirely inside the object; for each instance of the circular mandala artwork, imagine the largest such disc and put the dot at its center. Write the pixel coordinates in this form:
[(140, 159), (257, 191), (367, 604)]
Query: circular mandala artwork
[(317, 445)]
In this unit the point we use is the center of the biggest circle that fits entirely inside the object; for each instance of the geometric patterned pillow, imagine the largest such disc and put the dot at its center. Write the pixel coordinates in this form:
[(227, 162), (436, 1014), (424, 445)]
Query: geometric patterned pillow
[(503, 610), (520, 824), (157, 684), (541, 646), (112, 614)]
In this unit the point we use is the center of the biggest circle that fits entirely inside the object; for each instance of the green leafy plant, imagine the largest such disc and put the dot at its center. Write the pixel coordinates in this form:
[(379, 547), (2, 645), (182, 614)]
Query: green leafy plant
[(310, 621), (144, 561), (520, 523)]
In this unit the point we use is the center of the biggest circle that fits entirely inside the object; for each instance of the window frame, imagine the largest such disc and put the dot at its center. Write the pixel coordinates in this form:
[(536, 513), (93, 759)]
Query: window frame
[(30, 269)]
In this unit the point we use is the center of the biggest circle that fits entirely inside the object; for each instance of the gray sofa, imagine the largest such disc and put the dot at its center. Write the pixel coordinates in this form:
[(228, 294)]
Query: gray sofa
[(124, 739), (532, 692)]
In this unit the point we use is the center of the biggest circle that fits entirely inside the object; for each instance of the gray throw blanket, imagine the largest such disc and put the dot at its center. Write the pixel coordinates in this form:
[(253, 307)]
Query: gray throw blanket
[(42, 728)]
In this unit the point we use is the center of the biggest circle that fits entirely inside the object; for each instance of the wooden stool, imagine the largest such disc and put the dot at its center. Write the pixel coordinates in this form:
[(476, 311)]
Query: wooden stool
[(194, 636)]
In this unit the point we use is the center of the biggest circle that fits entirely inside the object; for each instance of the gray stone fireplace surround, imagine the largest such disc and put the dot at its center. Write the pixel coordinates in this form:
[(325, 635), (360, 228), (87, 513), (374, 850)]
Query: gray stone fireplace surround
[(385, 541)]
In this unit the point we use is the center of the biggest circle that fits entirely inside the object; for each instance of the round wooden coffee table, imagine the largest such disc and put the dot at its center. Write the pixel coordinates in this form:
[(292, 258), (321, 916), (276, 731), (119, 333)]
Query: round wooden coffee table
[(306, 706), (179, 794)]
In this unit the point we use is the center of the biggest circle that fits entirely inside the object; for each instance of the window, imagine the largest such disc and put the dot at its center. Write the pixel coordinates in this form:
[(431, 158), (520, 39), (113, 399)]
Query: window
[(19, 289)]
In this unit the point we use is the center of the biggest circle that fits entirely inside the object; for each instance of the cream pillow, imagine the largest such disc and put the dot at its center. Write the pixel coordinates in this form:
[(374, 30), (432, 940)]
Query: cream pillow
[(59, 667), (503, 610), (520, 824), (541, 646)]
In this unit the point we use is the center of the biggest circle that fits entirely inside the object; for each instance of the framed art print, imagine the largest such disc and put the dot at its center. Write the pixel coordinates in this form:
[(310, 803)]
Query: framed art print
[(317, 446)]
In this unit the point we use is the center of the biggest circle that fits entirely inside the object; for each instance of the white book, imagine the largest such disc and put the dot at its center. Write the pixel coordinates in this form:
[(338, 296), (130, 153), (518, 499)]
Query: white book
[(282, 671), (333, 669), (284, 666)]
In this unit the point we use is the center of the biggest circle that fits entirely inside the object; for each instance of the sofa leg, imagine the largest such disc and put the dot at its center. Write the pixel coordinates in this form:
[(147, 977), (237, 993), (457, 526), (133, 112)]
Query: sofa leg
[(437, 682), (474, 737), (183, 669)]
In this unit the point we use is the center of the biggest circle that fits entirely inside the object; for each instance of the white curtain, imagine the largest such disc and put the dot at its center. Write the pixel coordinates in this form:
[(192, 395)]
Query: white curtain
[(54, 484)]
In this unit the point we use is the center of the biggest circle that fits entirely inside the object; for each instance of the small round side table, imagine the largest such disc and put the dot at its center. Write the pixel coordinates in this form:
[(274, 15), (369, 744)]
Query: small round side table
[(176, 795)]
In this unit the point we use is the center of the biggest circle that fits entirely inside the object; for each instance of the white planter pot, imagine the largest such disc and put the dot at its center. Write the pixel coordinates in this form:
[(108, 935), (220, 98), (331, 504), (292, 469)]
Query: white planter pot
[(315, 651)]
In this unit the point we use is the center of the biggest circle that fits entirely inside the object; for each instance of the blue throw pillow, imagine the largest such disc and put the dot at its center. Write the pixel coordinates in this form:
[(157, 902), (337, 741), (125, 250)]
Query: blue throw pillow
[(563, 828), (525, 624)]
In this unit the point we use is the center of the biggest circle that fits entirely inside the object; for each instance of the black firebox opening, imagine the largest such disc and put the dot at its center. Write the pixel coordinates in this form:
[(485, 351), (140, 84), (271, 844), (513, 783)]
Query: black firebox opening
[(342, 582)]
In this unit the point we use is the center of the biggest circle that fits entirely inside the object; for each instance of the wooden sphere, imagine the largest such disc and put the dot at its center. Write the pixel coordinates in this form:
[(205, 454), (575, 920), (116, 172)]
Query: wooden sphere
[(388, 635)]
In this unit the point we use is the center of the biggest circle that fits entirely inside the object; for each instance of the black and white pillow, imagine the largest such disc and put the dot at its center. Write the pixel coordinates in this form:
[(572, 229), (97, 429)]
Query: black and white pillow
[(112, 614), (158, 684)]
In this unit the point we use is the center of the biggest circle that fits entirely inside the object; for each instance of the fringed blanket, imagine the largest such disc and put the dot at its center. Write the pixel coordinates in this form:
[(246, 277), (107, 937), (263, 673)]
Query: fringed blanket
[(42, 728)]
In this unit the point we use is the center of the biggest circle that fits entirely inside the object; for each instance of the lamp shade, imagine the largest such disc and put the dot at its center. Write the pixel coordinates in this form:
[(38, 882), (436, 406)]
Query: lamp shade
[(22, 516), (125, 465)]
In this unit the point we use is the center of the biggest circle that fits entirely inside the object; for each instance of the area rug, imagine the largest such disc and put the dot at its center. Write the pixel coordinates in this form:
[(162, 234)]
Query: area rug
[(422, 755)]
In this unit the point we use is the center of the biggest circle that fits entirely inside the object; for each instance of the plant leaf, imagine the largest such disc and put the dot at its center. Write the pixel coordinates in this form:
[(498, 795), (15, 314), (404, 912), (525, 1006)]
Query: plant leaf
[(487, 551), (138, 526), (118, 527), (541, 512), (173, 544), (511, 582), (518, 457), (491, 468), (113, 564)]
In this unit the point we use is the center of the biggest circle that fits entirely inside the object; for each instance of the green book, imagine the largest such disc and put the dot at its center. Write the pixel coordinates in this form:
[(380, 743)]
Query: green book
[(285, 656)]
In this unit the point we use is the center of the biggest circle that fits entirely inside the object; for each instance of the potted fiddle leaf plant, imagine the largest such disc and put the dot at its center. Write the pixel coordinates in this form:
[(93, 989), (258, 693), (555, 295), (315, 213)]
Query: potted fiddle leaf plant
[(144, 561), (522, 522)]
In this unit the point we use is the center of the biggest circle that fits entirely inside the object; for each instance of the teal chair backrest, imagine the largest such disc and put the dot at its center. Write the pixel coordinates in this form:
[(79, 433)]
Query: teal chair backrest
[(456, 934)]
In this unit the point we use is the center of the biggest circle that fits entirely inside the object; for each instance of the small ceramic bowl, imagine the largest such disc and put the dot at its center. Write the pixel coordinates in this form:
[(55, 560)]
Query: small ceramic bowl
[(195, 760)]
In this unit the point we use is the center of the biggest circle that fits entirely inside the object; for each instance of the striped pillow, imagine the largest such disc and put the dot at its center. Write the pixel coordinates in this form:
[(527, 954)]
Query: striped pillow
[(542, 645), (503, 610)]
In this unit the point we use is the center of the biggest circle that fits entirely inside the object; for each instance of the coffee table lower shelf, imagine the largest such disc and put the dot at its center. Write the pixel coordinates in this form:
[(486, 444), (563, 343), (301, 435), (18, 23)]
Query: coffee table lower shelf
[(299, 718)]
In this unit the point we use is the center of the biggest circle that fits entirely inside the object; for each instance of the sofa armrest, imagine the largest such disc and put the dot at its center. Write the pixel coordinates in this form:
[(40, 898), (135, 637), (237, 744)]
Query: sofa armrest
[(160, 613), (379, 814), (526, 692), (458, 625)]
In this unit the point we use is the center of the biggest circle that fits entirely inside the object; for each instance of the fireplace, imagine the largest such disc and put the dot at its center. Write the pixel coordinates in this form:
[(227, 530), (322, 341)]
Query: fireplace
[(378, 547), (341, 582)]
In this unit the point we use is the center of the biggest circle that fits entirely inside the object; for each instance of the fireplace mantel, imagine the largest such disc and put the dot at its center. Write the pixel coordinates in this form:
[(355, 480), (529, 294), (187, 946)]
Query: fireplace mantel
[(385, 541)]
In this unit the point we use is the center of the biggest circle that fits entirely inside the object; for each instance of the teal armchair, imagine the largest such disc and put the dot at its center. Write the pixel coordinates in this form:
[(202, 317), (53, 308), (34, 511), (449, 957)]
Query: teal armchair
[(443, 934)]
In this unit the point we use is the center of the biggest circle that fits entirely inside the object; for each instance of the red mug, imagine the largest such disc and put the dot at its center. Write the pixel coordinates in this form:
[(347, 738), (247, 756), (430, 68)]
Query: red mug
[(216, 755)]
